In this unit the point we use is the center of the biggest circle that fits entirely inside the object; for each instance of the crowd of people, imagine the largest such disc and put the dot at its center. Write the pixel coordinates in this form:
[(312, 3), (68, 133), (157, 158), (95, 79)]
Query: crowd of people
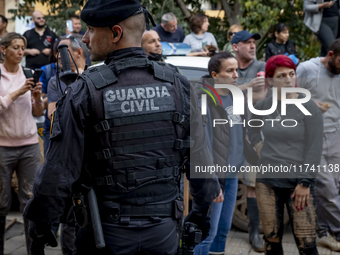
[(311, 197)]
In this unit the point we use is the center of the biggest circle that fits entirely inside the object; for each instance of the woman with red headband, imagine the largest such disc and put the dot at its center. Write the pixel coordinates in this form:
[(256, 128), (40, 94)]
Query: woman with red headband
[(289, 160)]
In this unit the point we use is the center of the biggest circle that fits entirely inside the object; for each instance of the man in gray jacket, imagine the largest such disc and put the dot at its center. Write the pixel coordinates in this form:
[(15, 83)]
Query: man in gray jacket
[(321, 76)]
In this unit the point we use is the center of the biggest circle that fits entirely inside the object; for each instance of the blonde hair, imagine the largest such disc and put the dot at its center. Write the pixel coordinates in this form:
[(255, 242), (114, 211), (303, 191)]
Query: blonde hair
[(6, 41), (231, 28)]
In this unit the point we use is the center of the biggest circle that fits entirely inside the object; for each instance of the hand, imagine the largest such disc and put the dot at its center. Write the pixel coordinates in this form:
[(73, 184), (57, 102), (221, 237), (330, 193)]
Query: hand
[(46, 51), (41, 234), (68, 31), (301, 195), (34, 52), (220, 198), (326, 5), (203, 53), (202, 222), (321, 107), (258, 148), (28, 85), (36, 91), (200, 53), (257, 84)]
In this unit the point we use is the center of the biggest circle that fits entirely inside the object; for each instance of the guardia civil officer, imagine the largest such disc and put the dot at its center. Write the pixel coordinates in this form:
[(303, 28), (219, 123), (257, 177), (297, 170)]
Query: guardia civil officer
[(122, 129)]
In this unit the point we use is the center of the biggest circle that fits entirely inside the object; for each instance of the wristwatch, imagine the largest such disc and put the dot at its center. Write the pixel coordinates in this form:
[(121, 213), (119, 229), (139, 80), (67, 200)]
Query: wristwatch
[(306, 184)]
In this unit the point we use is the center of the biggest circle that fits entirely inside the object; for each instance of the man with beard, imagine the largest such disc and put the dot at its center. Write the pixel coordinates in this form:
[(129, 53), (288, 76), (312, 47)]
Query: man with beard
[(39, 41), (321, 76), (151, 43)]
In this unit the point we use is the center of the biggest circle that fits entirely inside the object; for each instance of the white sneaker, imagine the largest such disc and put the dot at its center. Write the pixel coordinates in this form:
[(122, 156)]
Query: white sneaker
[(328, 242), (216, 253)]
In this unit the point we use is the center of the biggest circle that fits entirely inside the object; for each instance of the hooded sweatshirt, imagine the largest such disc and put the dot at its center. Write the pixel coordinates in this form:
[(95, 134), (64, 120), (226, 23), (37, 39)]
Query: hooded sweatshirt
[(197, 42), (324, 87)]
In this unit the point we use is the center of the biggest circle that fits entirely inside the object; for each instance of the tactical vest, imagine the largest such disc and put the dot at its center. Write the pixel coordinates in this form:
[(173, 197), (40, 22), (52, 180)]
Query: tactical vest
[(140, 131)]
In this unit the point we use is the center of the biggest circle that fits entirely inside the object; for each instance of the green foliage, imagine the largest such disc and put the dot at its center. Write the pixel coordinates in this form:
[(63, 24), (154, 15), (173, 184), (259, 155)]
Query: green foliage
[(258, 16), (218, 27), (59, 12)]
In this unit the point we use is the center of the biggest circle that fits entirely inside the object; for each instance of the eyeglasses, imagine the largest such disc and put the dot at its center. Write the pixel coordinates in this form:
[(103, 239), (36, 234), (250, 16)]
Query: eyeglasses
[(232, 33)]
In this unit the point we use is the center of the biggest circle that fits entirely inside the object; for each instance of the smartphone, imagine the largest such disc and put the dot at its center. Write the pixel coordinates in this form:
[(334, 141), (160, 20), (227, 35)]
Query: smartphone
[(69, 25), (36, 76)]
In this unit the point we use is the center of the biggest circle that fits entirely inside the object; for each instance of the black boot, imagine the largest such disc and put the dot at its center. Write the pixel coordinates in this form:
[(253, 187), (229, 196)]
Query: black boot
[(2, 234), (253, 227), (27, 237)]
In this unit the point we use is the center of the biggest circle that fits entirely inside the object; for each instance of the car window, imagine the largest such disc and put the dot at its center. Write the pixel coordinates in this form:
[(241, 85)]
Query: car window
[(192, 73)]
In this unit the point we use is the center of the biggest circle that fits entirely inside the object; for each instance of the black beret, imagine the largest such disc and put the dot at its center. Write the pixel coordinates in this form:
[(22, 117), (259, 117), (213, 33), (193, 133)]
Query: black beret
[(102, 13)]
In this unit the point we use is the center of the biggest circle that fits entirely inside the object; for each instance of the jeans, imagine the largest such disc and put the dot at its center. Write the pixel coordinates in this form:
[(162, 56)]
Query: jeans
[(220, 221), (271, 201)]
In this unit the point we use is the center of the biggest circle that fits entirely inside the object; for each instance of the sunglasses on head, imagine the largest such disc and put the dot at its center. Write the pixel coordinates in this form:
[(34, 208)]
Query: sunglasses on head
[(71, 37)]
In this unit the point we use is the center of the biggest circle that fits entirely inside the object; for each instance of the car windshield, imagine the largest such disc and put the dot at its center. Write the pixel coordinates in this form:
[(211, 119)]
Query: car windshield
[(193, 74)]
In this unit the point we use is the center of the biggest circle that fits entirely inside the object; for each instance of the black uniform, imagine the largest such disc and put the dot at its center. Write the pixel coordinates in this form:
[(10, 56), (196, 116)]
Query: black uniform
[(126, 137)]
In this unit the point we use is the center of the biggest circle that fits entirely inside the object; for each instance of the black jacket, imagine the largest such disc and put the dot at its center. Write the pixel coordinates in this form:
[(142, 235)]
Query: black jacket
[(273, 48), (221, 133)]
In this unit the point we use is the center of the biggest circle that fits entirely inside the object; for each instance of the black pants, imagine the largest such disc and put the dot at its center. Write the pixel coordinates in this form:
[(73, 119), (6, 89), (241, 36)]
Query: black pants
[(271, 202), (141, 236), (328, 33)]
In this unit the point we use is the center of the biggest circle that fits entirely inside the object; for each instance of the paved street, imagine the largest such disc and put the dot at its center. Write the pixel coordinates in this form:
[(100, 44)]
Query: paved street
[(237, 242)]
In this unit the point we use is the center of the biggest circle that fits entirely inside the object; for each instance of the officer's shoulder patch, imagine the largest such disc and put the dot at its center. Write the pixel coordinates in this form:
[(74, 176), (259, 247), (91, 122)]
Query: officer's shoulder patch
[(101, 76)]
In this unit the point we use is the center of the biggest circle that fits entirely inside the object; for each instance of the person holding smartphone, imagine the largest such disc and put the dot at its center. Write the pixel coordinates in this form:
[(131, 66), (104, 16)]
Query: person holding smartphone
[(322, 17), (73, 25), (20, 99)]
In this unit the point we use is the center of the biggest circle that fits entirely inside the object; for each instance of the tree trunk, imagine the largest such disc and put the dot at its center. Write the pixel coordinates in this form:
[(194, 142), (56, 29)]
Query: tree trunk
[(184, 9), (234, 13)]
